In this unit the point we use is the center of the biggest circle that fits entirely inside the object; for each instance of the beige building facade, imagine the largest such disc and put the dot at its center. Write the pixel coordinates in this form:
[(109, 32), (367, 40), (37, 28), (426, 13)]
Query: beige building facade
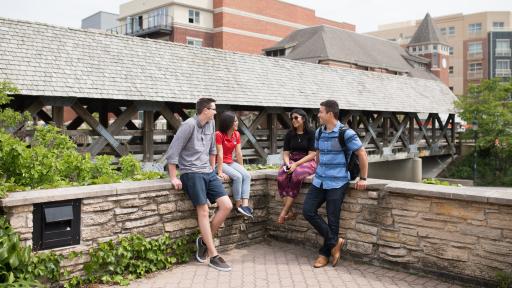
[(467, 34)]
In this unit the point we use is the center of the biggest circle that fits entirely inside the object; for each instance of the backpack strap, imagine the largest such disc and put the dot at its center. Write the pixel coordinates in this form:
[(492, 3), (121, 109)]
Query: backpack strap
[(319, 133)]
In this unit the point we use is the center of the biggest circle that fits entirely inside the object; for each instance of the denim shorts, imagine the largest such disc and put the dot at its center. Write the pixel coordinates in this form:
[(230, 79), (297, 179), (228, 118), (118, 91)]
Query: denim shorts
[(202, 187)]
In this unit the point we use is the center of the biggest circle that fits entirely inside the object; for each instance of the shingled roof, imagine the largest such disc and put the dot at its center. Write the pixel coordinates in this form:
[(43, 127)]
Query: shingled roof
[(45, 60), (427, 32)]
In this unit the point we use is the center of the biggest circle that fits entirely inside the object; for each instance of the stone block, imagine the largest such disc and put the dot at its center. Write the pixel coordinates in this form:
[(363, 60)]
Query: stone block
[(419, 222), (498, 247), (122, 197), (389, 235), (121, 211), (459, 209), (168, 207), (445, 251), (153, 194), (450, 236), (395, 252), (367, 229), (134, 203), (180, 224), (184, 205), (137, 215), (97, 218), (149, 231), (360, 247), (150, 207), (361, 237), (141, 222), (101, 206), (480, 231)]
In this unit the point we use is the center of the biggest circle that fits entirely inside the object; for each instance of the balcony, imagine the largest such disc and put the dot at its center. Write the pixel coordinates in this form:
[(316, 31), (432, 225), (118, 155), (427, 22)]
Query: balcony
[(155, 26), (475, 56), (474, 75), (502, 52), (503, 73)]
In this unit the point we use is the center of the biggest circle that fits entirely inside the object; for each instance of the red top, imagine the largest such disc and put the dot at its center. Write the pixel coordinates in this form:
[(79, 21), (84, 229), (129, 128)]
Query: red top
[(228, 144)]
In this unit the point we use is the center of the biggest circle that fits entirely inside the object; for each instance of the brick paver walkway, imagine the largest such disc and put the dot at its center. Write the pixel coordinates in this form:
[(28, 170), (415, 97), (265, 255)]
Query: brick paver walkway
[(275, 264)]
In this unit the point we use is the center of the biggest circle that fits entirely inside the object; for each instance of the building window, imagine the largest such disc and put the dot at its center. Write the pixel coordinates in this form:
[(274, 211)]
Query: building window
[(502, 68), (195, 42), (276, 53), (451, 31), (443, 31), (475, 67), (157, 17), (193, 16), (413, 49), (502, 47), (451, 50), (434, 47), (498, 25), (474, 48), (475, 27), (420, 49), (435, 59), (450, 69)]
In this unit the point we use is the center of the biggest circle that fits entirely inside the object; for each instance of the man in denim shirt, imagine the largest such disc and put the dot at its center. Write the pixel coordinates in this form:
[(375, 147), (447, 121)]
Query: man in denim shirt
[(332, 180)]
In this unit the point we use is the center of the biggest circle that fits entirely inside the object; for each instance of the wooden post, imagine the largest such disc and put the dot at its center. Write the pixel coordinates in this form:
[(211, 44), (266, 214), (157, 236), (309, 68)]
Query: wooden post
[(385, 130), (148, 136), (411, 129), (58, 116), (272, 132), (103, 117), (434, 120)]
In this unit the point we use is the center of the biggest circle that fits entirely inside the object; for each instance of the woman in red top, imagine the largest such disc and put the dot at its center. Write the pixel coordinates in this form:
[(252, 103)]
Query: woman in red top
[(227, 140)]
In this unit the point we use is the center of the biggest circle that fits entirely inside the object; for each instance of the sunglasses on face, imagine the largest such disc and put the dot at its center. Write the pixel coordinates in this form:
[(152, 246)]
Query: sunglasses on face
[(295, 118)]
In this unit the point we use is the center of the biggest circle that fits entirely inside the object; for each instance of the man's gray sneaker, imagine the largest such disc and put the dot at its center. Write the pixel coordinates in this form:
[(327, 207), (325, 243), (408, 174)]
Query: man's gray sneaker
[(202, 250), (218, 263)]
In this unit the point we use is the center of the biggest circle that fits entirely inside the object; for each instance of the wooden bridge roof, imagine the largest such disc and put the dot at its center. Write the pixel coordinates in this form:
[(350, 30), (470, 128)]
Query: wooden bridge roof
[(46, 60)]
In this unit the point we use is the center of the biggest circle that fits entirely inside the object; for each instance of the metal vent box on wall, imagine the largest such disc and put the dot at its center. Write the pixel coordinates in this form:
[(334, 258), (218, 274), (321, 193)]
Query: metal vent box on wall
[(56, 224)]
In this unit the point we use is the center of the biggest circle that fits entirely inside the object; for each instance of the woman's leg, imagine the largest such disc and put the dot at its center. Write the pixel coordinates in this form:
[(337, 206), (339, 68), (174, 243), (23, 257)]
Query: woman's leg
[(236, 186), (246, 182)]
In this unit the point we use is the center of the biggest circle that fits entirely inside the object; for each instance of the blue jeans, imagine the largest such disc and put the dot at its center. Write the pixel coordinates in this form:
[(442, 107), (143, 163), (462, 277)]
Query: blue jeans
[(333, 199), (241, 186)]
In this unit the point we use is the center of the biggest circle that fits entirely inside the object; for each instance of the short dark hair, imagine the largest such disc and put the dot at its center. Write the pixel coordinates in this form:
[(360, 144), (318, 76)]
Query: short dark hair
[(226, 121), (331, 106), (203, 103)]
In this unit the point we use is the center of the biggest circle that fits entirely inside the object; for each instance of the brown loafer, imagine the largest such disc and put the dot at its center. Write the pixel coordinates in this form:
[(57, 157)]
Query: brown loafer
[(321, 261), (336, 251)]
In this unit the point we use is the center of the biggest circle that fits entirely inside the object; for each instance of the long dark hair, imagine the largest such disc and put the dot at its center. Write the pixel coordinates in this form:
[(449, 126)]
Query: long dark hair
[(226, 121), (304, 116)]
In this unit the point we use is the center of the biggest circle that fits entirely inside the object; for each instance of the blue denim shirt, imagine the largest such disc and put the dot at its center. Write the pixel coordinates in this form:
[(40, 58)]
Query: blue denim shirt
[(332, 167)]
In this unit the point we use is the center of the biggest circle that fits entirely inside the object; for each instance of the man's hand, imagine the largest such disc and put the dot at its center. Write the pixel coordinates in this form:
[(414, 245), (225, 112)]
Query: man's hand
[(361, 184), (224, 177), (176, 183)]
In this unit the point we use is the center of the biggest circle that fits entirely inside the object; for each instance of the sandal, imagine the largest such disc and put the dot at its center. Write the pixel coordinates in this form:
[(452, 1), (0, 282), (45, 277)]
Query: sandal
[(291, 215)]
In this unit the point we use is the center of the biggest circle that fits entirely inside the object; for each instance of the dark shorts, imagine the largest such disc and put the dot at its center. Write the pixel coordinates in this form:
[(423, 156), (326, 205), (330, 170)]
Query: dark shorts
[(202, 187)]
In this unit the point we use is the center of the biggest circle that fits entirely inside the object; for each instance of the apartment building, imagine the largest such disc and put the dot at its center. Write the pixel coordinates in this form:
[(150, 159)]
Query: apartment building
[(468, 35), (237, 25), (500, 55)]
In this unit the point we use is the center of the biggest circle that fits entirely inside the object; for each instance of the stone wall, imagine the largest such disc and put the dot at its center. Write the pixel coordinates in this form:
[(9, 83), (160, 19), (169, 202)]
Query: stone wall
[(150, 208), (457, 232), (462, 233)]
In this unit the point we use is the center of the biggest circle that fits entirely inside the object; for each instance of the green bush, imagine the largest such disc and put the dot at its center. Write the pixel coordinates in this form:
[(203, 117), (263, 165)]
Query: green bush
[(19, 267), (132, 257)]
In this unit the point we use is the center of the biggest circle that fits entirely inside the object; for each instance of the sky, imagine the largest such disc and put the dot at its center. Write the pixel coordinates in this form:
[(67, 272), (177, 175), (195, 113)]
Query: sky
[(365, 14)]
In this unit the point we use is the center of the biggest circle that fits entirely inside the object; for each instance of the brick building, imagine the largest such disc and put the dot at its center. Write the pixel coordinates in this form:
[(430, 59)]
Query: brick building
[(236, 25)]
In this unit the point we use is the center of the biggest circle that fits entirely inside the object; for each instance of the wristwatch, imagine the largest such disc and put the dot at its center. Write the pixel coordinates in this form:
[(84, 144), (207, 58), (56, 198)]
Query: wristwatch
[(362, 178)]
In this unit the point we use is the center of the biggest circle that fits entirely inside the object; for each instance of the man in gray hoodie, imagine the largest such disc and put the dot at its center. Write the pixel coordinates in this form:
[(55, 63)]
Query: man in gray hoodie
[(193, 150)]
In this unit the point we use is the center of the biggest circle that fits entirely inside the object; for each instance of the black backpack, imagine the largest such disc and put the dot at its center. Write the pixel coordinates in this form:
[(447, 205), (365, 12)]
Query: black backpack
[(353, 162)]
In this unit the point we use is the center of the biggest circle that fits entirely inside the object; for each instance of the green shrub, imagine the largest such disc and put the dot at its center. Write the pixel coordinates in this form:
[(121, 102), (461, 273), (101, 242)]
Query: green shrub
[(19, 267)]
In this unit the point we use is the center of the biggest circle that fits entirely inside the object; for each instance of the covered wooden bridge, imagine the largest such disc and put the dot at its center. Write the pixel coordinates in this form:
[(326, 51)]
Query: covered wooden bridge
[(106, 84)]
